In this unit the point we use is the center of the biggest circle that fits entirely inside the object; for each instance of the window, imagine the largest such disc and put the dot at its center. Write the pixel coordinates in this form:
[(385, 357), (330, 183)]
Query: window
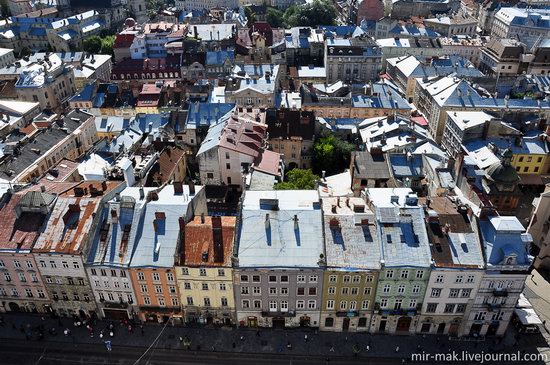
[(345, 291), (161, 302), (53, 265), (222, 287), (105, 283), (397, 304), (387, 288), (313, 278), (257, 304), (343, 305), (43, 264), (329, 322), (172, 289), (156, 276), (190, 301), (300, 304), (389, 274), (412, 303), (56, 297), (449, 308), (184, 271), (312, 291), (207, 302), (40, 293), (28, 293), (436, 293), (353, 305), (311, 304), (81, 282), (122, 274), (332, 279), (125, 285), (460, 308), (365, 305), (221, 272), (244, 278), (22, 277), (174, 301), (284, 278), (354, 291), (272, 279), (404, 274), (65, 264), (356, 279), (470, 279), (50, 281), (140, 276), (453, 293), (383, 303), (16, 263), (202, 272), (29, 264), (301, 278), (369, 279), (419, 274), (244, 290), (204, 286), (459, 279), (169, 276), (401, 288), (416, 289), (256, 290), (439, 279), (431, 307), (330, 304), (76, 265), (300, 291), (347, 278), (272, 291), (466, 293), (272, 305), (284, 291), (256, 278), (7, 276)]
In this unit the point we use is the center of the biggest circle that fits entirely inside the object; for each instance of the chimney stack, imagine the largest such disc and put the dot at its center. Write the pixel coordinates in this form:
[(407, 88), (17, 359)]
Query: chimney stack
[(141, 193), (217, 235), (296, 226), (104, 185), (191, 187), (178, 188), (202, 218)]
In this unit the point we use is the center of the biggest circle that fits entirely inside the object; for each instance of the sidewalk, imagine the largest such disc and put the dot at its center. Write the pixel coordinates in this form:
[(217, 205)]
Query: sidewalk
[(265, 340)]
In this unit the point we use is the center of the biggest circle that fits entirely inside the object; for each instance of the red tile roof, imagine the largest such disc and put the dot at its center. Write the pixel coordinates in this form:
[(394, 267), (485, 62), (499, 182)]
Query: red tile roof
[(199, 238), (18, 233), (124, 40)]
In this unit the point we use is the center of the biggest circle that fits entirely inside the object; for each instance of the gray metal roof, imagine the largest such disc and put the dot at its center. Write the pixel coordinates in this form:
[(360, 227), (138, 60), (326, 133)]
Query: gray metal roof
[(269, 235)]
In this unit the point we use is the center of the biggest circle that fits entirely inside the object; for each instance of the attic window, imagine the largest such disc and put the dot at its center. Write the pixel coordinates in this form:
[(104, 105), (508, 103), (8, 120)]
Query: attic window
[(160, 215)]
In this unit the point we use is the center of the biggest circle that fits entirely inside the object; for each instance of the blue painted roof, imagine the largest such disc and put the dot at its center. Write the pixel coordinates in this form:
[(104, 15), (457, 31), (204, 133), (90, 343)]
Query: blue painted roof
[(381, 98), (338, 30), (85, 94), (38, 32), (219, 57), (206, 114), (142, 121), (502, 236)]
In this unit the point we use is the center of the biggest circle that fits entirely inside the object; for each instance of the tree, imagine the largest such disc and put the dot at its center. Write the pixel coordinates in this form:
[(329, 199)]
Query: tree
[(107, 44), (318, 12), (331, 154), (92, 44), (250, 16), (298, 179), (275, 17)]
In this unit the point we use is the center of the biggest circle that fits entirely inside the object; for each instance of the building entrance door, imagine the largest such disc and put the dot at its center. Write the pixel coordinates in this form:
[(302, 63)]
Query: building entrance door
[(345, 324)]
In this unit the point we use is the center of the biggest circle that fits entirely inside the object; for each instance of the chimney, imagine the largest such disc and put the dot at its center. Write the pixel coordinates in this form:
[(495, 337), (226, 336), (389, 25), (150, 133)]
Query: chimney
[(296, 226), (217, 235), (191, 187), (104, 185), (202, 218), (141, 193), (43, 188), (178, 188)]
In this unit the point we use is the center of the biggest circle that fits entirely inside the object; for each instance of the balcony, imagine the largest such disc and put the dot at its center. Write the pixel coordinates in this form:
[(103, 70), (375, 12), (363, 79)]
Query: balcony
[(501, 292)]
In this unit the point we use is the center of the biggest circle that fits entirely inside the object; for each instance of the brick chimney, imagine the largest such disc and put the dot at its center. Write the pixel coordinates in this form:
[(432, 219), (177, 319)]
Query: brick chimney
[(181, 221), (217, 236)]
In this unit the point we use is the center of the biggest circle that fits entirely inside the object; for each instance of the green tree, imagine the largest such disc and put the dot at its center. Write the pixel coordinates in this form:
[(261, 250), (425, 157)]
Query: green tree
[(250, 16), (92, 44), (331, 154), (107, 44), (275, 17), (298, 179), (318, 12)]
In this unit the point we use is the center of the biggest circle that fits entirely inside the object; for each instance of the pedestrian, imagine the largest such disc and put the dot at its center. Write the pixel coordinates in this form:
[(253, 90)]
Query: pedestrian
[(112, 334), (213, 348), (289, 345), (258, 334), (242, 338), (130, 328), (368, 348), (397, 349), (305, 338), (181, 339)]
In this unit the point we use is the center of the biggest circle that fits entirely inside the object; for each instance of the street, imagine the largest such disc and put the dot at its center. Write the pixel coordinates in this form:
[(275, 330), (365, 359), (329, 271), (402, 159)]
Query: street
[(170, 345)]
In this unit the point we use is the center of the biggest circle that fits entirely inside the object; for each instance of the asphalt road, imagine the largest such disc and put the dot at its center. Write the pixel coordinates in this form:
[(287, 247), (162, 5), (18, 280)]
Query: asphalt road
[(20, 352)]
